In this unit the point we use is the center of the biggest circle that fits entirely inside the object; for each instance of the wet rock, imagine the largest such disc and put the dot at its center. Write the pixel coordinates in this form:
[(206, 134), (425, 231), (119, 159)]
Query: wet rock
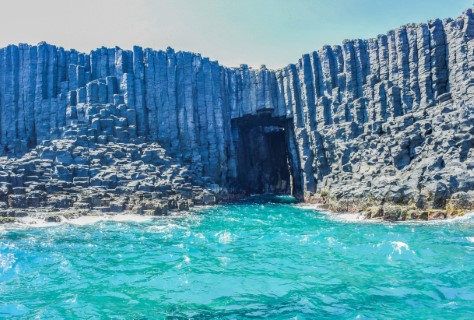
[(53, 218), (5, 220)]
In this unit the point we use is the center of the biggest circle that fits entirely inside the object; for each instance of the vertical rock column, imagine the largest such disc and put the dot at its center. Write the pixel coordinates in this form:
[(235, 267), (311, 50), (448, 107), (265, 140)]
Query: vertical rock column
[(139, 91)]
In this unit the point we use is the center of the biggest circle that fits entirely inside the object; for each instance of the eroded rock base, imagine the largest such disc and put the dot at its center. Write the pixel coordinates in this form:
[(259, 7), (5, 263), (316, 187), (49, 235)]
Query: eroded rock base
[(110, 178), (419, 166)]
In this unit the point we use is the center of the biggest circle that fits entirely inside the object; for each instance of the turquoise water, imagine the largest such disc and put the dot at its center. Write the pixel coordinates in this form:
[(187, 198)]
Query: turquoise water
[(247, 261)]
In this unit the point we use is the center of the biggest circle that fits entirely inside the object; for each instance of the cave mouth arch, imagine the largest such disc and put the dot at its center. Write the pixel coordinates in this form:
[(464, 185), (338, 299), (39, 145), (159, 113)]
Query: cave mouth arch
[(263, 159)]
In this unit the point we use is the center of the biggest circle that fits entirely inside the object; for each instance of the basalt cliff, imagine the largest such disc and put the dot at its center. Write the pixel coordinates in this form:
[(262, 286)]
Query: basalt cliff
[(383, 126)]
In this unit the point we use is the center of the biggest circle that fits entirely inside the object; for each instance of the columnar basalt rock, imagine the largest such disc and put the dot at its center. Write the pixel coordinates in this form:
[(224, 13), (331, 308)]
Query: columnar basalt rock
[(371, 122)]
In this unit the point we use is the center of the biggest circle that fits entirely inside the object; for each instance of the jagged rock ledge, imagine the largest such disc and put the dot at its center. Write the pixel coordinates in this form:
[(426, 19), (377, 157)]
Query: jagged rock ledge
[(434, 181), (134, 177), (384, 126)]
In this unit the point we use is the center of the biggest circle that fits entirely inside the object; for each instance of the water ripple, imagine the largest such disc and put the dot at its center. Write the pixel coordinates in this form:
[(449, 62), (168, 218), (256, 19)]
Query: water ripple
[(239, 262)]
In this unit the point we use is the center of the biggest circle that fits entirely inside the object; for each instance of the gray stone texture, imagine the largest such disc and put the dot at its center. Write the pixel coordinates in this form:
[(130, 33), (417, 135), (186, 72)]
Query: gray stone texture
[(390, 118)]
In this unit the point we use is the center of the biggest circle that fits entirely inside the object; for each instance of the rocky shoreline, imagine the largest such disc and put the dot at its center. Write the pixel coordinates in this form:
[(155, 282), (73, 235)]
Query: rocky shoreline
[(43, 216), (383, 126), (393, 212), (430, 177), (142, 204), (69, 174)]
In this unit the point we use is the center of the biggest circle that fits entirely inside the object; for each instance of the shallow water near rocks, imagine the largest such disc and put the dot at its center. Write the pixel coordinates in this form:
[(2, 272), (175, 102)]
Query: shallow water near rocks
[(242, 261)]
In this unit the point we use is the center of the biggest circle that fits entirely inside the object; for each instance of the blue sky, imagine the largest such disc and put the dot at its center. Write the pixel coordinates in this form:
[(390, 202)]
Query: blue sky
[(271, 32)]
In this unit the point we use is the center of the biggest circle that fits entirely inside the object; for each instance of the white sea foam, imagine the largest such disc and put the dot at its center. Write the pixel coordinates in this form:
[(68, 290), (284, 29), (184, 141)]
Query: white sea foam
[(7, 261), (201, 208), (349, 217), (224, 260), (39, 221), (167, 228), (224, 237), (359, 218), (354, 217), (186, 259), (310, 206), (85, 220), (398, 246), (31, 222), (336, 216), (466, 218)]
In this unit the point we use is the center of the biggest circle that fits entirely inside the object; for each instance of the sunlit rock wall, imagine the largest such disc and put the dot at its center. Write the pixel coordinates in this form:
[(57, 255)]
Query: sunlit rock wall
[(358, 111)]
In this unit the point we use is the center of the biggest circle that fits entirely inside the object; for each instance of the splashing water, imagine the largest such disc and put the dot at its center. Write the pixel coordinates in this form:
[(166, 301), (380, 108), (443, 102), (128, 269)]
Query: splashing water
[(274, 261)]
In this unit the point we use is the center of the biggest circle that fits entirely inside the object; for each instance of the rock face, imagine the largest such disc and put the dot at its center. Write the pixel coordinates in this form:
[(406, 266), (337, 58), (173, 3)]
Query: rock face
[(385, 121)]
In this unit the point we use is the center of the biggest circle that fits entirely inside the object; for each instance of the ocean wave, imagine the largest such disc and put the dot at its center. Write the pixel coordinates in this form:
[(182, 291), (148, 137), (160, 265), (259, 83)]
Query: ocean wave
[(167, 228), (399, 246), (39, 222), (224, 237)]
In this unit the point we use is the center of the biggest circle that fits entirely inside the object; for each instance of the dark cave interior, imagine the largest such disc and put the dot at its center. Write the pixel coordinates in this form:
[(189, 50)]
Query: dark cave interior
[(262, 155)]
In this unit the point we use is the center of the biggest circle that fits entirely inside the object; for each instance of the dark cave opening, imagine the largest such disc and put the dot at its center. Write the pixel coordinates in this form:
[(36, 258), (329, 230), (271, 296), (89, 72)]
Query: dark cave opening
[(263, 161)]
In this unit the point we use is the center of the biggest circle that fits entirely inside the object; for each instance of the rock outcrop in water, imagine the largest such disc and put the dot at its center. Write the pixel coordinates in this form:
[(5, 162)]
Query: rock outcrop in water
[(384, 125)]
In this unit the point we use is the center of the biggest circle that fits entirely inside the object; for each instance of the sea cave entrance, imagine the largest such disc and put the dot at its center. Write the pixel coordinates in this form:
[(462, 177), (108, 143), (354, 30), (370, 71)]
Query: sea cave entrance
[(263, 159)]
